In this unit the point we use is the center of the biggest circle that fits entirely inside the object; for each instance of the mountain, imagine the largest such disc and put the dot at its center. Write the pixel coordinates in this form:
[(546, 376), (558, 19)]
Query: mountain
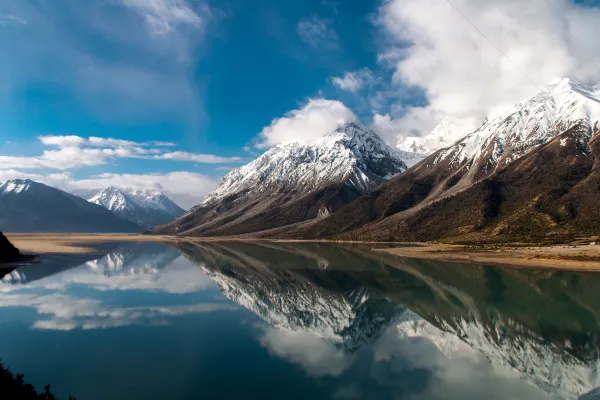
[(28, 206), (147, 208), (293, 183), (417, 148), (528, 173)]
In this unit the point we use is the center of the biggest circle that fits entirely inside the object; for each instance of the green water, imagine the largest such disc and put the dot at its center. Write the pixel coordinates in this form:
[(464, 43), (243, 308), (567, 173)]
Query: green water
[(296, 321)]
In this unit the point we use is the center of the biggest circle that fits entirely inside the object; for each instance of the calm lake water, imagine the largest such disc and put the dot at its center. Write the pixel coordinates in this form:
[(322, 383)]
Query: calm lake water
[(296, 321)]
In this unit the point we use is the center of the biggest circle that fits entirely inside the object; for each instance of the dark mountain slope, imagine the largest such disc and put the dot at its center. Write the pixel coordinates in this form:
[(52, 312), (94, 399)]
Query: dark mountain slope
[(27, 206)]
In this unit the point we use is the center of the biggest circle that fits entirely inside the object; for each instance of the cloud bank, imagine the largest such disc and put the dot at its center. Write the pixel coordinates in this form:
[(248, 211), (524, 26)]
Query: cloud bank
[(431, 47)]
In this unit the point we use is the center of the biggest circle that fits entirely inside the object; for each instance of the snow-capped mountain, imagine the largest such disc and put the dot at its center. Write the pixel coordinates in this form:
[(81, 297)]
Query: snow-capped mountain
[(416, 148), (503, 174), (146, 208), (28, 206), (294, 183), (506, 137)]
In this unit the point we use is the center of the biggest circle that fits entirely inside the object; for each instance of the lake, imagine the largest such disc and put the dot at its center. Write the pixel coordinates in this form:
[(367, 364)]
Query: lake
[(296, 321)]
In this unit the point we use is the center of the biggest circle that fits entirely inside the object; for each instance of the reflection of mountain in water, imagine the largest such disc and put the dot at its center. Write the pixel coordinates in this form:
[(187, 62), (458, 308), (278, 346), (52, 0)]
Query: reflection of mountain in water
[(115, 259), (134, 259), (303, 297), (542, 325)]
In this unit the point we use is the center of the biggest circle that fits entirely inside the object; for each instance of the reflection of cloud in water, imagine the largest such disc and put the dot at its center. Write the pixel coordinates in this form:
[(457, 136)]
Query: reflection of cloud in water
[(178, 276), (319, 357), (67, 312), (59, 300)]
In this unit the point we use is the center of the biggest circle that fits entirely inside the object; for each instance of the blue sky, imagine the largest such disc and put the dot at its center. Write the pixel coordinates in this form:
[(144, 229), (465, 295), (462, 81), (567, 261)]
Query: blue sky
[(220, 81)]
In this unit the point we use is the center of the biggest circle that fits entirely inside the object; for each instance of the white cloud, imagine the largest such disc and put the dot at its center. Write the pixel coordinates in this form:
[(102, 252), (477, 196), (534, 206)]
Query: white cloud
[(194, 157), (163, 15), (353, 81), (184, 188), (318, 32), (432, 47), (64, 312), (317, 118), (316, 355), (75, 151), (16, 19)]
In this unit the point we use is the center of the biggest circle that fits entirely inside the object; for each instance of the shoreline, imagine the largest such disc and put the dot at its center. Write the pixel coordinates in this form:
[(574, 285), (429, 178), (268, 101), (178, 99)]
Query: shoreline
[(556, 257)]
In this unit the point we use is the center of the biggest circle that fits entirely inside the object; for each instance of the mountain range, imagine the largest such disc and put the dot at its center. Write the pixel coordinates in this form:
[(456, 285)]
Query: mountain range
[(293, 183), (530, 172), (28, 206), (146, 208)]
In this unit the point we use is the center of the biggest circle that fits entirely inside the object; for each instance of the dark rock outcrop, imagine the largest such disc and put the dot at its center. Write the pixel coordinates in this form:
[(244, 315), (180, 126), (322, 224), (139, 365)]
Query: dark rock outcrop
[(8, 252)]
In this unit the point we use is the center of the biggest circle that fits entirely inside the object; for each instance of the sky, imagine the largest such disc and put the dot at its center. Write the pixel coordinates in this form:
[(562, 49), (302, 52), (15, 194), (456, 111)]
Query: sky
[(173, 94)]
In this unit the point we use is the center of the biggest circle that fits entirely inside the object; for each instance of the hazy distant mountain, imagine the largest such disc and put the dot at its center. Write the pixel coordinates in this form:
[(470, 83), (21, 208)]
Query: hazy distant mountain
[(28, 206), (293, 183), (146, 208)]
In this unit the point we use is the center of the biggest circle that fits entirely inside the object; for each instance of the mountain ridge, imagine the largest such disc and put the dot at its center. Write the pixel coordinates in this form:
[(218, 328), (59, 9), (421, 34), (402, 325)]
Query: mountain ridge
[(146, 208), (293, 183), (29, 206)]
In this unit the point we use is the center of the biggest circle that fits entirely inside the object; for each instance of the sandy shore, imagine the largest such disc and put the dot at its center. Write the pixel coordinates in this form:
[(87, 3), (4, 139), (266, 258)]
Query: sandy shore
[(72, 243), (560, 257)]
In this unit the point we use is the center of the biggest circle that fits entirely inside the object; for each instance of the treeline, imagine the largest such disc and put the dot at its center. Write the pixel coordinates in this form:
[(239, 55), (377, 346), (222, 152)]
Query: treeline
[(15, 388)]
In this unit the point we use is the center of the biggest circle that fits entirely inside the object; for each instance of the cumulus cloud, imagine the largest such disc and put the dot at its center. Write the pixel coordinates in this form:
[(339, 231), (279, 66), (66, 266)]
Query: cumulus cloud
[(431, 47), (353, 81), (184, 188), (317, 32), (317, 118)]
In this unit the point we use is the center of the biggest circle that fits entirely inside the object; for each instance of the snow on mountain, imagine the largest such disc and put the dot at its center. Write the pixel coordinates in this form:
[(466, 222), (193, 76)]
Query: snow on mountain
[(146, 208), (507, 136), (293, 183), (416, 148), (28, 206), (351, 154), (15, 186)]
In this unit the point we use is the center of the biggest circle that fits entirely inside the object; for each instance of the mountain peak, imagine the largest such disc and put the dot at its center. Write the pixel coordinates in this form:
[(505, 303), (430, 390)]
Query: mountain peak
[(296, 182), (16, 186), (145, 207)]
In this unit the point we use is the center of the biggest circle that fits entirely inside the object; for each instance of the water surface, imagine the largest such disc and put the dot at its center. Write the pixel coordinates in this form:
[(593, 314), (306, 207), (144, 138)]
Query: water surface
[(266, 320)]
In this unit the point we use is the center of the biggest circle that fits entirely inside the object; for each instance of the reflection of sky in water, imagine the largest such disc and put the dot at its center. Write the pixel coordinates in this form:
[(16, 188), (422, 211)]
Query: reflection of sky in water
[(145, 322)]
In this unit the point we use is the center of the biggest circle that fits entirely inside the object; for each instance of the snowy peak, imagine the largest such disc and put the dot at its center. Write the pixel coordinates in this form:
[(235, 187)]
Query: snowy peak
[(507, 136), (351, 153), (146, 208), (15, 186), (113, 199), (442, 136)]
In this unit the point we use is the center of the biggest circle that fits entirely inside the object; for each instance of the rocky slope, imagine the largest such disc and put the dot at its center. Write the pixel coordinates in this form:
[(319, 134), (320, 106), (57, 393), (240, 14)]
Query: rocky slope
[(147, 208), (293, 183), (28, 206), (526, 173)]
